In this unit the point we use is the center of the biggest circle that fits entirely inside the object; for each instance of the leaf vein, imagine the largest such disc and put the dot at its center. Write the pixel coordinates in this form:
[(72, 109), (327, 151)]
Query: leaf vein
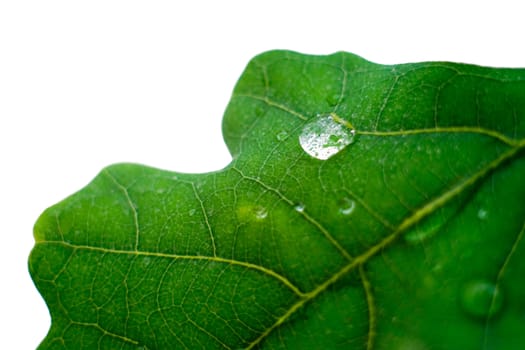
[(273, 103), (217, 259), (450, 130), (303, 213), (499, 277), (124, 190), (372, 321), (206, 220)]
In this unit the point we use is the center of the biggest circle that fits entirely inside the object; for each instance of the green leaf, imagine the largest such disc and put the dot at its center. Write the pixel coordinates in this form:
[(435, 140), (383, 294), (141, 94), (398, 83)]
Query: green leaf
[(366, 207)]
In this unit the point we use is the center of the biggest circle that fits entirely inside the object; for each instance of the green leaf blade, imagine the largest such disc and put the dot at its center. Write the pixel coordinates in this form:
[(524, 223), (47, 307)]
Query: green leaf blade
[(410, 235)]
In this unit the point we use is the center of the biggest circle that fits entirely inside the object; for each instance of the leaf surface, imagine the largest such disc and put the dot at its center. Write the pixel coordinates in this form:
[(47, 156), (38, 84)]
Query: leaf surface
[(366, 207)]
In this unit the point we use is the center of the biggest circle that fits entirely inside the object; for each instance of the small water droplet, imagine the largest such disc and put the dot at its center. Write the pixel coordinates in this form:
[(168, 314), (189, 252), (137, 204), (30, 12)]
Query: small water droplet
[(347, 206), (191, 212), (326, 135), (483, 214), (282, 135), (425, 229), (251, 213), (259, 111), (332, 100), (481, 298), (260, 213), (299, 207)]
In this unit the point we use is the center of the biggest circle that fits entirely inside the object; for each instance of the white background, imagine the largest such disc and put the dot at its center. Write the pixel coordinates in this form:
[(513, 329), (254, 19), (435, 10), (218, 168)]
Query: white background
[(86, 84)]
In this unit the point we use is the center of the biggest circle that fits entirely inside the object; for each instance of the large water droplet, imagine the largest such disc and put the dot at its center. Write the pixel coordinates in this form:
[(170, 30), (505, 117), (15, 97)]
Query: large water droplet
[(347, 206), (326, 135), (481, 298)]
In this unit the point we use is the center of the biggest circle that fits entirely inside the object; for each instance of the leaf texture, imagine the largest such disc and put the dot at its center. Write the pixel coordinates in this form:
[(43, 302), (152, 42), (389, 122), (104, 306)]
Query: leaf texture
[(409, 235)]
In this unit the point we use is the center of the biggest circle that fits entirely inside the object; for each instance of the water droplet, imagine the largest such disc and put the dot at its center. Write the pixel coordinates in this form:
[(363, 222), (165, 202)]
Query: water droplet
[(347, 206), (282, 135), (483, 214), (191, 212), (251, 213), (332, 100), (259, 111), (299, 207), (326, 135), (481, 298), (425, 229), (260, 213)]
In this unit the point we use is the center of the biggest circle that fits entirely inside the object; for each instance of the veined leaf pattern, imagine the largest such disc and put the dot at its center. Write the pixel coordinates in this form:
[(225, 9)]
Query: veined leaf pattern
[(366, 207)]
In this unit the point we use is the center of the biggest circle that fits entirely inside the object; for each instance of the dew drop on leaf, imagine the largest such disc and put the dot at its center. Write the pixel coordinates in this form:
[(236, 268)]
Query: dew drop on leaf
[(281, 136), (422, 232), (259, 111), (251, 213), (481, 298), (326, 135), (299, 207), (483, 214), (260, 213), (346, 206), (333, 99)]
